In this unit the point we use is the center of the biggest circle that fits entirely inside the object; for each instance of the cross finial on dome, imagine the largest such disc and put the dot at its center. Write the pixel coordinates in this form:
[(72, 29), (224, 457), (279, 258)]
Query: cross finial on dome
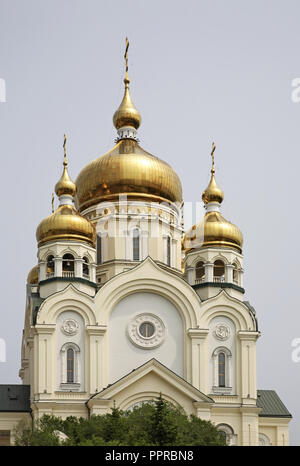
[(212, 193), (65, 186), (127, 118), (213, 158), (65, 151), (126, 61)]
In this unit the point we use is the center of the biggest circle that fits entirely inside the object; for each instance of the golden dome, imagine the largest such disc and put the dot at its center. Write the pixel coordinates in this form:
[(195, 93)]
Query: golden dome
[(65, 185), (212, 193), (214, 230), (65, 224), (33, 276), (127, 114), (127, 169)]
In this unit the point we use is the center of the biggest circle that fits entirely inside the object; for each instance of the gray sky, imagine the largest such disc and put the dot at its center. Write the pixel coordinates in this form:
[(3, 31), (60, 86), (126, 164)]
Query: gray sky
[(200, 71)]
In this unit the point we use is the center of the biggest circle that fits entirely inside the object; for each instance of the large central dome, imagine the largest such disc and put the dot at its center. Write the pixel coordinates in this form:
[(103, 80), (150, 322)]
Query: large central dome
[(127, 169)]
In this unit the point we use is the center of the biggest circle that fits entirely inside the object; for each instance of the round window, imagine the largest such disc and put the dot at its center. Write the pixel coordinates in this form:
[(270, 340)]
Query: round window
[(146, 329)]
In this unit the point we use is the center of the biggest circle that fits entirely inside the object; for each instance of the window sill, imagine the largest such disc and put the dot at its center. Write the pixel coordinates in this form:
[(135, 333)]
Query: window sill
[(70, 387), (222, 390)]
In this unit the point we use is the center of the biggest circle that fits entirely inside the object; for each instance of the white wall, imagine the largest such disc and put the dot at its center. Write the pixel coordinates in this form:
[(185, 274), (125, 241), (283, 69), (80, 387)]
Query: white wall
[(229, 343), (124, 355), (78, 339)]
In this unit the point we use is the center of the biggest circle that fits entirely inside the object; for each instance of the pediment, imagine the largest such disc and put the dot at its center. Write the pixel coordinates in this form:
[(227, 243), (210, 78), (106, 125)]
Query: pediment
[(152, 377)]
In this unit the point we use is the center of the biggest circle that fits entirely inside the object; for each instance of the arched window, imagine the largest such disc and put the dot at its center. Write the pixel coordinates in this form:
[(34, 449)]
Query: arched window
[(228, 433), (68, 265), (263, 440), (169, 251), (200, 272), (71, 370), (235, 274), (219, 271), (85, 268), (221, 369), (136, 244), (70, 365), (99, 249), (50, 266)]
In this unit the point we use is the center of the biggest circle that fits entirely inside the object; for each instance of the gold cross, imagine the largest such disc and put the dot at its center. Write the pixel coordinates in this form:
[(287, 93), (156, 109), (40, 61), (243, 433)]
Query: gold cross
[(126, 56), (213, 157), (65, 150)]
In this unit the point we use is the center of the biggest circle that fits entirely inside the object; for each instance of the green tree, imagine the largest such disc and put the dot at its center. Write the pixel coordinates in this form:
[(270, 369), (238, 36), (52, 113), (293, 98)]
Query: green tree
[(156, 423)]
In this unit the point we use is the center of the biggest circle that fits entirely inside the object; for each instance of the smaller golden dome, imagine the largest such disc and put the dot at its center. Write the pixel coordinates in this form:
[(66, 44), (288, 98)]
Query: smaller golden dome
[(65, 224), (65, 185), (33, 276), (212, 193), (127, 114), (214, 230)]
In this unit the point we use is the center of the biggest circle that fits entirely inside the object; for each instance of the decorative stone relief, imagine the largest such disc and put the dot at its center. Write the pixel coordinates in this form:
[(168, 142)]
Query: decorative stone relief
[(70, 327), (222, 332), (146, 331)]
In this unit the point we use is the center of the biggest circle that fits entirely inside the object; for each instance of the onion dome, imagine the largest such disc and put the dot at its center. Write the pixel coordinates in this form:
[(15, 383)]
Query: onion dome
[(213, 230), (127, 114), (127, 169), (33, 276), (65, 185), (130, 170), (65, 223)]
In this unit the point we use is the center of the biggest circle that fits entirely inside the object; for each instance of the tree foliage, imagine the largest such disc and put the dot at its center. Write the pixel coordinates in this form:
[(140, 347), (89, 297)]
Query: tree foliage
[(156, 423)]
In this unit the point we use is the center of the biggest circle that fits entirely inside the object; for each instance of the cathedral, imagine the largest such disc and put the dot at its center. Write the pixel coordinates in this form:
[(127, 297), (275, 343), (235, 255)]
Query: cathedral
[(124, 304)]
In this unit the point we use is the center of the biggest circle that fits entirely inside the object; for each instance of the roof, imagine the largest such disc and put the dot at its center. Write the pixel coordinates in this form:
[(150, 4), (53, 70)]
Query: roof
[(149, 365), (271, 404), (15, 398)]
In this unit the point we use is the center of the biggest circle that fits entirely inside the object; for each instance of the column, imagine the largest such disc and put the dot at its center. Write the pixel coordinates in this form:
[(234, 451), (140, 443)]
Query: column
[(209, 272), (57, 266), (241, 277), (190, 275), (229, 273), (93, 268), (97, 368), (44, 363), (78, 267), (199, 358), (42, 271), (248, 365)]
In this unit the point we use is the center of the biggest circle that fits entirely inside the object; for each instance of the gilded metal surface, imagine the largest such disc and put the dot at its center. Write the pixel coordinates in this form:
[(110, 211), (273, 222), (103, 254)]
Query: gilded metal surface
[(65, 185), (127, 169), (214, 230), (212, 193), (127, 114), (65, 223), (33, 276)]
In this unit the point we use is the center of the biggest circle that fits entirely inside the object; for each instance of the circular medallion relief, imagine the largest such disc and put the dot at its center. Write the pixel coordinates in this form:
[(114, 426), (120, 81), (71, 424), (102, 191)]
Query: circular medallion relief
[(222, 332), (146, 331), (70, 326)]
